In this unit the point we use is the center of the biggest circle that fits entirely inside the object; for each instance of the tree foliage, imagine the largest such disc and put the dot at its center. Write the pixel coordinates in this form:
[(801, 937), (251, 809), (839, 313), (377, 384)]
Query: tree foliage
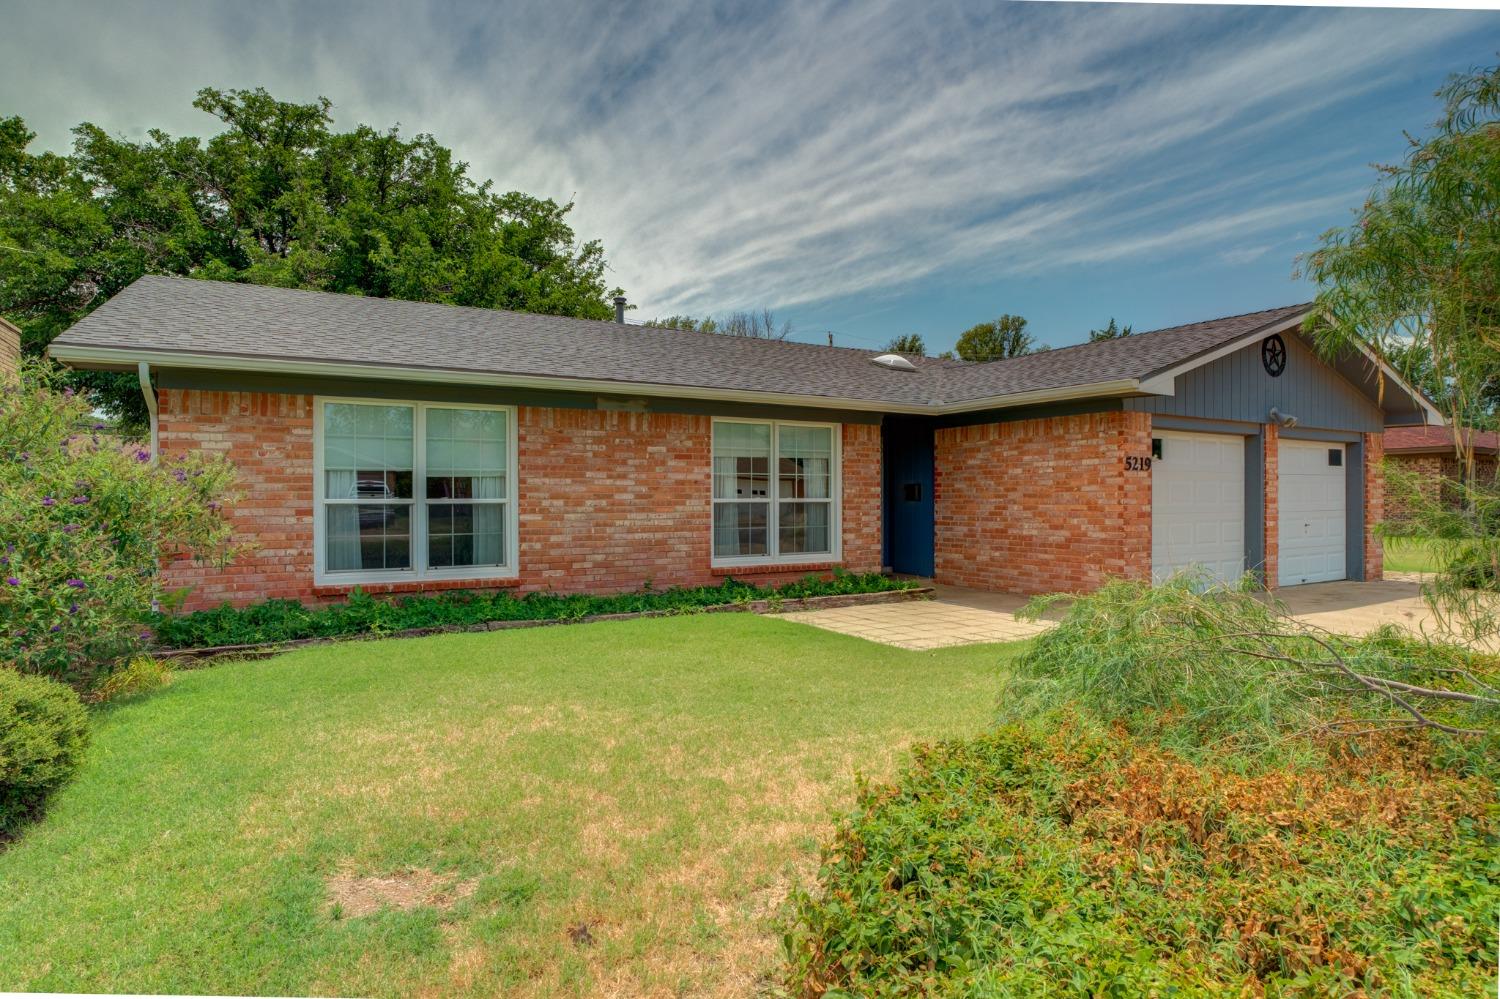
[(278, 197), (1000, 338), (1418, 276), (85, 523), (760, 324), (1113, 331), (908, 343), (1418, 272)]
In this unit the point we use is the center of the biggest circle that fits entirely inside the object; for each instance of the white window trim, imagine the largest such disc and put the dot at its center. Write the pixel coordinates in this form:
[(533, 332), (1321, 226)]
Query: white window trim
[(418, 571), (773, 520)]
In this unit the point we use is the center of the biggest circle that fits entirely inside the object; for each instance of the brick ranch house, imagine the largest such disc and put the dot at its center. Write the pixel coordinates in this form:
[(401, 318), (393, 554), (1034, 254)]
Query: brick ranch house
[(1428, 453), (401, 446)]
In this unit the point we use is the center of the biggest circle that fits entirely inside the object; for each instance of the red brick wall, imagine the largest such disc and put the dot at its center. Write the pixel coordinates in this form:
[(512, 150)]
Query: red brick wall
[(861, 512), (1271, 437), (1429, 470), (607, 500), (270, 440), (1374, 498), (1039, 506)]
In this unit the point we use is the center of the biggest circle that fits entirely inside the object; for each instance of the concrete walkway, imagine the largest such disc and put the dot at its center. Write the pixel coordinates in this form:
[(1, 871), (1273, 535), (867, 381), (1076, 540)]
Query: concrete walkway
[(957, 616)]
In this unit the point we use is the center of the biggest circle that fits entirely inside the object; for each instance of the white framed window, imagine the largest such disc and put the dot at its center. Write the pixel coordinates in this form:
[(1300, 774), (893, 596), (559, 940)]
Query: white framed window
[(775, 492), (412, 490)]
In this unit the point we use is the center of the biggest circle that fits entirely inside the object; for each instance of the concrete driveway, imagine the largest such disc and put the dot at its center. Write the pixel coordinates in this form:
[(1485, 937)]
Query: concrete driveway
[(957, 616)]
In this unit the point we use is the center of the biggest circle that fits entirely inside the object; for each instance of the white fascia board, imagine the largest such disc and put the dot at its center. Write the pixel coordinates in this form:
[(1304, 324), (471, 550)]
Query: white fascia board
[(129, 357)]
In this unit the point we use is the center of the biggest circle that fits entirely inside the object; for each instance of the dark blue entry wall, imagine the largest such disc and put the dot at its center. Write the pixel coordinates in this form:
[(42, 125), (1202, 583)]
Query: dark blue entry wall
[(907, 460)]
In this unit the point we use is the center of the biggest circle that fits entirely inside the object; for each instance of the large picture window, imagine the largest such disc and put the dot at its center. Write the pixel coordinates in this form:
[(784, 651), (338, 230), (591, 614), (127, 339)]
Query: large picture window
[(414, 490), (775, 488)]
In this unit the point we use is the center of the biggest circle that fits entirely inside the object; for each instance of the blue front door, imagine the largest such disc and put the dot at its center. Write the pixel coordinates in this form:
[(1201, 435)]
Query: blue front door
[(908, 495)]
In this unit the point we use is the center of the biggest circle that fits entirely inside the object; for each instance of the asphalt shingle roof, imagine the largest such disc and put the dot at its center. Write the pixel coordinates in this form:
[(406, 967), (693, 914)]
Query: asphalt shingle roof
[(165, 314), (1399, 439)]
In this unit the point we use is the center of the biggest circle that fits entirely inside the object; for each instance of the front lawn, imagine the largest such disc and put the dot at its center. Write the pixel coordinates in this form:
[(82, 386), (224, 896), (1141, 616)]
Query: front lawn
[(610, 808), (1409, 555)]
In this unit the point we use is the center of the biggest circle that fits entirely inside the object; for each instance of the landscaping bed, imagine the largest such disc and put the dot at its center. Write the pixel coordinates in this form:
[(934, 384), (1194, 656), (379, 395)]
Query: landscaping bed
[(279, 624)]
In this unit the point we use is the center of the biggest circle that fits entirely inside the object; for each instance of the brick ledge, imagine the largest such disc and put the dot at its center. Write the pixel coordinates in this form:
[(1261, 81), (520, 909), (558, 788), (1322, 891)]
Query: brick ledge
[(416, 586), (765, 570)]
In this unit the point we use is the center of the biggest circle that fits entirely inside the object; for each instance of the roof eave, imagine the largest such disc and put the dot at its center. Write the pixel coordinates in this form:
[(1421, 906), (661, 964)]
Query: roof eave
[(122, 358), (126, 358)]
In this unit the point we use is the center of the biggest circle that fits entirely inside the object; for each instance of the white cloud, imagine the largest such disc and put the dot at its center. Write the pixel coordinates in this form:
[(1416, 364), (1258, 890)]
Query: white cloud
[(813, 151)]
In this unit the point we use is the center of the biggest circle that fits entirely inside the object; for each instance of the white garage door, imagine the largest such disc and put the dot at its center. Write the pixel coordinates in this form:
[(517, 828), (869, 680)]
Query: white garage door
[(1198, 505), (1310, 512)]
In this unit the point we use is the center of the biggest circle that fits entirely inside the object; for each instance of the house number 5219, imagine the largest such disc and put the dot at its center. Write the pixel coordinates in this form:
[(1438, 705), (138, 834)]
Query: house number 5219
[(1135, 464)]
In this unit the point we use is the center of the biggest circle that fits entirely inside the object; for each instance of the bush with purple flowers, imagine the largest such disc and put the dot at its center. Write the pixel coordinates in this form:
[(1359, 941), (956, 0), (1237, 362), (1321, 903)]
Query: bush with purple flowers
[(84, 524)]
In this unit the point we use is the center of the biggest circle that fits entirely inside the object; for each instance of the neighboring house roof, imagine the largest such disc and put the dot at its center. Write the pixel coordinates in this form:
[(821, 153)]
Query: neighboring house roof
[(1422, 440), (182, 322)]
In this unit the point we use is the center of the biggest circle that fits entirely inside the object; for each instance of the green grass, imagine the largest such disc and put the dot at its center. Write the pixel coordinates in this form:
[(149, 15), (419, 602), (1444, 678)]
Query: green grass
[(1408, 555), (661, 782)]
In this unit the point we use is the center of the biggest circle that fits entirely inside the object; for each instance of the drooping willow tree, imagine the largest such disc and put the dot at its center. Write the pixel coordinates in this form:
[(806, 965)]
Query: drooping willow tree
[(1417, 275), (1418, 272)]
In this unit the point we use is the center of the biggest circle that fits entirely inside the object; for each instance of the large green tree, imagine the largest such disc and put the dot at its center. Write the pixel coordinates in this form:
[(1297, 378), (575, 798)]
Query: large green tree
[(1417, 275), (276, 197), (1113, 331), (1003, 337)]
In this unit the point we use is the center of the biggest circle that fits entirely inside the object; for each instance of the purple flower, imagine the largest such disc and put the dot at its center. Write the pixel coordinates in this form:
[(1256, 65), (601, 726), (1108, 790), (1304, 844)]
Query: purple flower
[(146, 636), (70, 528), (77, 584), (48, 501), (109, 576), (179, 475), (55, 628), (98, 426), (12, 581), (79, 500), (72, 608), (143, 455), (24, 456), (4, 560)]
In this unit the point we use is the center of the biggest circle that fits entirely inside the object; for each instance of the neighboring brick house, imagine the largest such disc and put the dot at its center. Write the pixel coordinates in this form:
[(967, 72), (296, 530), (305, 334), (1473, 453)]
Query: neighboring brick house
[(10, 349), (1428, 452), (402, 446)]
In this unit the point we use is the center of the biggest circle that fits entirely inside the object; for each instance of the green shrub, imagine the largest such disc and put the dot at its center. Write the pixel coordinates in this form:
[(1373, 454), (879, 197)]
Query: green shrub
[(85, 521), (1203, 665), (43, 732), (142, 675), (1062, 857), (287, 620)]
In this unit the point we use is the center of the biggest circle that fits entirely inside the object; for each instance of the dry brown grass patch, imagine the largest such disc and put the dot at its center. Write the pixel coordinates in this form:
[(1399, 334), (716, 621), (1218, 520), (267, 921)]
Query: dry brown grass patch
[(350, 896)]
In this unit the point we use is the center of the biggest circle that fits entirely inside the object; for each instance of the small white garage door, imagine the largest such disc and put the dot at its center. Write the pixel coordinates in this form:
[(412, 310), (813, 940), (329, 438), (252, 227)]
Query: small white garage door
[(1198, 505), (1310, 512)]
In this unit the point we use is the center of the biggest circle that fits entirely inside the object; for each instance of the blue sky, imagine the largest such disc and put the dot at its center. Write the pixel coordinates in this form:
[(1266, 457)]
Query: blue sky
[(870, 168)]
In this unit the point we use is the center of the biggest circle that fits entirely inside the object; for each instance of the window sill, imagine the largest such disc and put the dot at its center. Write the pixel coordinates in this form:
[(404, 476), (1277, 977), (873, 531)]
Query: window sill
[(416, 586), (766, 568)]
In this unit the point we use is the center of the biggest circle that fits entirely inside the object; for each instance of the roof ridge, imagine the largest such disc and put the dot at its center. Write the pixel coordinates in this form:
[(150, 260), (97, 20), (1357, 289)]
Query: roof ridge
[(610, 325)]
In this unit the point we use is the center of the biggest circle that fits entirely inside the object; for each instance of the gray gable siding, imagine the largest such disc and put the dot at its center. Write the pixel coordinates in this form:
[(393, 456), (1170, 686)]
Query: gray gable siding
[(1237, 387)]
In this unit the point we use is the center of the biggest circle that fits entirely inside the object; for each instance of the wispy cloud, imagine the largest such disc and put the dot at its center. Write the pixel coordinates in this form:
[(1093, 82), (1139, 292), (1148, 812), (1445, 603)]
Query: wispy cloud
[(788, 154)]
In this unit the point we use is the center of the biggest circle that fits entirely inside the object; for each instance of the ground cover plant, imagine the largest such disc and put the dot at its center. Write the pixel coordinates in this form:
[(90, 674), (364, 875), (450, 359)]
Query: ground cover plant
[(614, 808), (1069, 858), (288, 620), (1184, 793)]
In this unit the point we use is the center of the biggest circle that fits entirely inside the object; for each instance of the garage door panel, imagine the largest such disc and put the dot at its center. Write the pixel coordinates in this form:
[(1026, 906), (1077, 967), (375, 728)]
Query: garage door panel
[(1311, 514), (1198, 505)]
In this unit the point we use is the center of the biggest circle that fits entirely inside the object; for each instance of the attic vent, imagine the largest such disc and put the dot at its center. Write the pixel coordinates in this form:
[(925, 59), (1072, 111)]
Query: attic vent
[(895, 362)]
